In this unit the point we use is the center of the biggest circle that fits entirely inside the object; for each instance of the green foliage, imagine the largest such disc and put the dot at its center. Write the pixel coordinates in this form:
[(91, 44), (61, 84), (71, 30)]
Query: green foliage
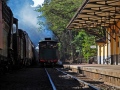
[(83, 41), (59, 12), (59, 46)]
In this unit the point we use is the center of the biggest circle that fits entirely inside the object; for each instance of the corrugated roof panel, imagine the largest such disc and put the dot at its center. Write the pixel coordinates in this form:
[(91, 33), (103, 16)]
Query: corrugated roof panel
[(95, 13)]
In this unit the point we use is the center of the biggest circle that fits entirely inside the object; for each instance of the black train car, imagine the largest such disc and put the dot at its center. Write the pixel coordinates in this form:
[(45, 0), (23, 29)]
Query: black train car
[(16, 48), (34, 57), (48, 52), (23, 49), (29, 50), (6, 29)]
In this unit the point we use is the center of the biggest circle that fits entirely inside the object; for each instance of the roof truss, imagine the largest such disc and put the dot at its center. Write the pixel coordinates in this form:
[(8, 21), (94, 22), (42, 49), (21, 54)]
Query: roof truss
[(96, 13)]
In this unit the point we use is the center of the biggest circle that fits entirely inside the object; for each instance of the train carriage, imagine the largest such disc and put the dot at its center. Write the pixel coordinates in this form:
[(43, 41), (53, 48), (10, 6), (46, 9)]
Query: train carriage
[(6, 24), (23, 49), (48, 52), (16, 48), (28, 50)]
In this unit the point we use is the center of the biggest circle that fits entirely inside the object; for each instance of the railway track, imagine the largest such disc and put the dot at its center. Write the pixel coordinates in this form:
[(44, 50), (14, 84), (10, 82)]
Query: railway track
[(68, 81), (51, 82), (25, 79), (37, 79), (94, 85), (81, 81), (45, 79), (61, 82)]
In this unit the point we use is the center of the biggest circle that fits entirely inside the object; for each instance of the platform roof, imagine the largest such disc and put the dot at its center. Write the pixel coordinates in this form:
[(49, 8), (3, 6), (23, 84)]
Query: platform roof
[(96, 13)]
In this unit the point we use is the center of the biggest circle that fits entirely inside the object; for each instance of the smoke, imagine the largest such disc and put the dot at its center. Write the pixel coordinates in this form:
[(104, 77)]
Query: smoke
[(28, 16), (27, 19)]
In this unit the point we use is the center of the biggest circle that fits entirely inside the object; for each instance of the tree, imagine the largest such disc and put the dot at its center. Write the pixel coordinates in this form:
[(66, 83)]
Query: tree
[(83, 41), (5, 1), (58, 13)]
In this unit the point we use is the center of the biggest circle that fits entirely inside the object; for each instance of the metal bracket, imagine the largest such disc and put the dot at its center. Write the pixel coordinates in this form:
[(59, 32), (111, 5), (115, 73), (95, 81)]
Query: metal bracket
[(118, 29), (114, 32), (117, 26)]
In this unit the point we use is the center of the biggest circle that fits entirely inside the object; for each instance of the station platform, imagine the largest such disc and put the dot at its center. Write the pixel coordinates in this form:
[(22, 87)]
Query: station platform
[(109, 74)]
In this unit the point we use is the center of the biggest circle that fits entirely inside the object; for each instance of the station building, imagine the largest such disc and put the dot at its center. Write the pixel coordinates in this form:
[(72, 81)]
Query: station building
[(101, 18)]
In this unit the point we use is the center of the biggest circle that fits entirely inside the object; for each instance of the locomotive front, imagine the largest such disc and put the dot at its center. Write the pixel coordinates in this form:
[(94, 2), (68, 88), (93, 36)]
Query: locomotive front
[(48, 52)]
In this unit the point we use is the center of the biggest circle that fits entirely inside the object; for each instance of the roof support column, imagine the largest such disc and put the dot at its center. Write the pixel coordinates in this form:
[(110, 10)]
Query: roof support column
[(113, 46), (118, 44)]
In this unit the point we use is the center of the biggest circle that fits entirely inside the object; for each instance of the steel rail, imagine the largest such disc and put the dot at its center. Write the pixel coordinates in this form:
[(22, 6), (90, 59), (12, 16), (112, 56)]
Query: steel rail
[(53, 86), (88, 84)]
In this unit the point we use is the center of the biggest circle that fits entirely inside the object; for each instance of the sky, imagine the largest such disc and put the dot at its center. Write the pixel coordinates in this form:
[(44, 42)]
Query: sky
[(24, 11)]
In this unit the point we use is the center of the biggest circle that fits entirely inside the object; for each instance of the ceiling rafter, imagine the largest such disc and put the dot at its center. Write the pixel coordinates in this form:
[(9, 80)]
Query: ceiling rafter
[(96, 13)]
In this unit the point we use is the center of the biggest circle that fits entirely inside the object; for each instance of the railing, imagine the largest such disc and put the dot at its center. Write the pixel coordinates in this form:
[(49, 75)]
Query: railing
[(107, 60)]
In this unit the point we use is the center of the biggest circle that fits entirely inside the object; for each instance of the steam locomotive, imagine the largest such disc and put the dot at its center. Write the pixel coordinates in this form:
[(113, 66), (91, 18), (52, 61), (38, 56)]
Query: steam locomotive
[(48, 52), (16, 48)]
